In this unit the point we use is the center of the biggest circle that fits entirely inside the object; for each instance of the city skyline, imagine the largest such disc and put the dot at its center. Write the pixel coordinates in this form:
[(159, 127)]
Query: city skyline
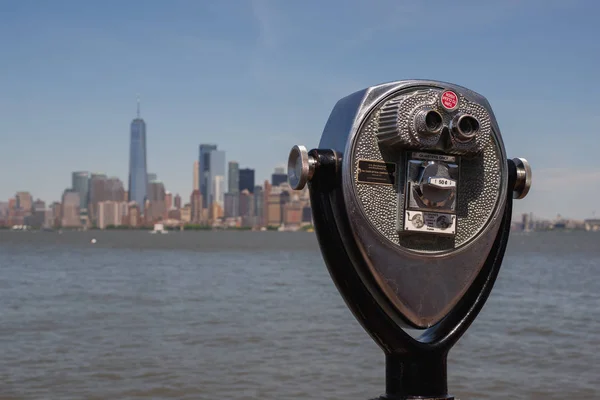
[(269, 77), (278, 175)]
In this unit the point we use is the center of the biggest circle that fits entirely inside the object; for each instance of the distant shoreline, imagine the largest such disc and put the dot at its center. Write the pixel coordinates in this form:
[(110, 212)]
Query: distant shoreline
[(192, 228)]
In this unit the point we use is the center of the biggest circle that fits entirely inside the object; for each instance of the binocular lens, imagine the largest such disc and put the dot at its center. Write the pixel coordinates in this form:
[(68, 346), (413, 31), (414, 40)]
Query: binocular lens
[(468, 125), (433, 121), (465, 127), (428, 123)]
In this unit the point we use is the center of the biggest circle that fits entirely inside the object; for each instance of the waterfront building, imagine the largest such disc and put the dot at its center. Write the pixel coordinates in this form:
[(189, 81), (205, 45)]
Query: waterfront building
[(80, 183), (70, 209)]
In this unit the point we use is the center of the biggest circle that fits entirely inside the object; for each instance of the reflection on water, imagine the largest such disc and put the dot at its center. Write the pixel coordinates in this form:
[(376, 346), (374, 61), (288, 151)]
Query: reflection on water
[(245, 315)]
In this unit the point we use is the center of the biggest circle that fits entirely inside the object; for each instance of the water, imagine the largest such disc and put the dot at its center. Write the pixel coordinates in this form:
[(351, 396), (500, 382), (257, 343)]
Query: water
[(246, 315)]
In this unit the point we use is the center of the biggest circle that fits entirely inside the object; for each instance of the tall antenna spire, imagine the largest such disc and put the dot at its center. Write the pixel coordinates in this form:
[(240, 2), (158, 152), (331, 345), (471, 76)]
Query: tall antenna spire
[(138, 106)]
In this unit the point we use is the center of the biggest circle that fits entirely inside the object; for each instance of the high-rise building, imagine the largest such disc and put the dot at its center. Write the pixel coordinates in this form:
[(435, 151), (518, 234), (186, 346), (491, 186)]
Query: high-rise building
[(204, 171), (115, 191), (273, 210), (108, 214), (233, 181), (156, 195), (247, 208), (246, 180), (246, 204), (284, 200), (231, 208), (216, 189), (97, 193), (177, 201), (24, 202), (185, 213), (216, 212), (56, 208), (174, 214), (3, 213), (265, 208), (278, 177), (133, 214), (258, 205), (81, 184), (168, 200), (196, 207), (152, 177), (70, 209), (146, 214), (48, 218), (38, 214), (138, 172), (196, 178), (39, 205), (292, 213), (123, 212)]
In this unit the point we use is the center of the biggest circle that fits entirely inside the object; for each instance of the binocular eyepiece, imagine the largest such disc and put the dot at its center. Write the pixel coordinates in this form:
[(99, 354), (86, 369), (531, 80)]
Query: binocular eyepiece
[(412, 195)]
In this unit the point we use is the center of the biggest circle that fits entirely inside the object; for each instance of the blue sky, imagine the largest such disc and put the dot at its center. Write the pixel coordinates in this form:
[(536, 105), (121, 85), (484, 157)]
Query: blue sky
[(257, 77)]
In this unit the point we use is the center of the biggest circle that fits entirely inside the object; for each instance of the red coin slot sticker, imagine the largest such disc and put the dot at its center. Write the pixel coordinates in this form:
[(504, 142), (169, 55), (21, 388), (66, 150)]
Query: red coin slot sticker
[(449, 100)]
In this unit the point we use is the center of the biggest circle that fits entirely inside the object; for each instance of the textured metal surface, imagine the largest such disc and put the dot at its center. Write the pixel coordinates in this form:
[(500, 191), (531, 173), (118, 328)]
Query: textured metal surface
[(398, 116), (478, 185), (380, 202)]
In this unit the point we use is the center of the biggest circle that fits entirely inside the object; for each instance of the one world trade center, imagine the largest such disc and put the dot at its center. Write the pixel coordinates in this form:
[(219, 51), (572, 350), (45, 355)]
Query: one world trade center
[(138, 176)]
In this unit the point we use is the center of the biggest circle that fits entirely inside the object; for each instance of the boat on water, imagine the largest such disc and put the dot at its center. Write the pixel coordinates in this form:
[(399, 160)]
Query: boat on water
[(159, 229)]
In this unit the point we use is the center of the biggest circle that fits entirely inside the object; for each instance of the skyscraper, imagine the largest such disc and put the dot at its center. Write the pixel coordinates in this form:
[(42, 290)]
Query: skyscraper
[(157, 195), (25, 202), (138, 173), (278, 177), (246, 180), (168, 200), (196, 206), (204, 171), (258, 205), (217, 186), (81, 184), (217, 194), (114, 189), (196, 173), (70, 209), (231, 205), (233, 177), (97, 192)]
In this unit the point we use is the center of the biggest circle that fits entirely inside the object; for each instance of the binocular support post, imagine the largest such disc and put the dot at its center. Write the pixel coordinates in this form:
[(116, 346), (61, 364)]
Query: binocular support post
[(411, 194)]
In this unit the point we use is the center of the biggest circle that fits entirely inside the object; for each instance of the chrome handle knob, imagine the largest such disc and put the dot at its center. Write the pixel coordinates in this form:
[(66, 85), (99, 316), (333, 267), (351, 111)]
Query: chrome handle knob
[(301, 167), (523, 179)]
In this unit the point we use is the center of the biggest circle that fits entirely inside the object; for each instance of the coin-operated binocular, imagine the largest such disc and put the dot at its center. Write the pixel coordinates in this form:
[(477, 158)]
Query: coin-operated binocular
[(411, 193)]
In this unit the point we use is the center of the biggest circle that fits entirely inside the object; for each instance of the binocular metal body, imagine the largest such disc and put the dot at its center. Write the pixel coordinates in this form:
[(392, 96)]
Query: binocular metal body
[(411, 193)]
